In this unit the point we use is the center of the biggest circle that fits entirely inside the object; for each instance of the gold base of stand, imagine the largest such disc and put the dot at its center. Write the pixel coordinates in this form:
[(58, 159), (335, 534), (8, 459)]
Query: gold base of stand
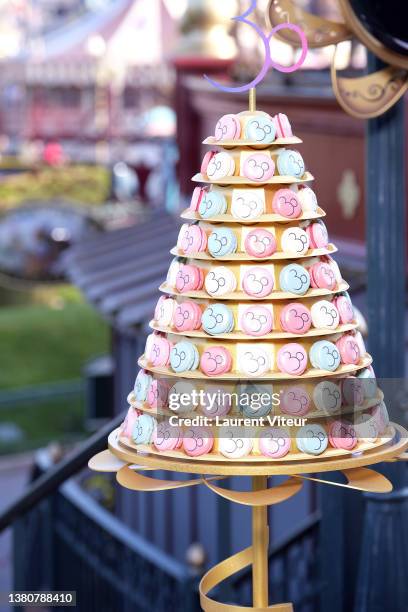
[(129, 464)]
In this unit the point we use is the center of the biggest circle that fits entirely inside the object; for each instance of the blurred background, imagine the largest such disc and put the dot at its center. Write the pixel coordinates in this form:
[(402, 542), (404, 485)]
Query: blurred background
[(102, 111)]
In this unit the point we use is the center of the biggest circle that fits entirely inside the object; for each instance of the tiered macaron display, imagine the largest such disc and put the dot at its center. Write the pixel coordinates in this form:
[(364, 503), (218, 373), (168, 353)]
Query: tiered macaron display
[(253, 298)]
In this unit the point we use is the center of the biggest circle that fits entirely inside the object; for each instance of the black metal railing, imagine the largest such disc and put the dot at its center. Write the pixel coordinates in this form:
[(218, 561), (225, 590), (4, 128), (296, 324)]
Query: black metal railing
[(69, 542)]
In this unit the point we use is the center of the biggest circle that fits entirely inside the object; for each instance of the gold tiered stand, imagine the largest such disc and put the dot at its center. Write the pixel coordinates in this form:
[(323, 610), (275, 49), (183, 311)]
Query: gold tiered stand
[(129, 465), (129, 462)]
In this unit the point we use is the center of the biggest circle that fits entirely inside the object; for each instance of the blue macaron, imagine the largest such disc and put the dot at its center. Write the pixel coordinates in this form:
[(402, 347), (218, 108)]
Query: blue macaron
[(294, 279), (217, 319), (212, 204), (260, 129), (324, 355), (312, 439), (184, 357), (143, 429), (290, 163), (142, 384), (222, 242)]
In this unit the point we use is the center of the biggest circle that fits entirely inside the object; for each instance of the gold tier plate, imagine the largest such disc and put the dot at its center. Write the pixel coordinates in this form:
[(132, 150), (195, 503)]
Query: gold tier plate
[(240, 296), (244, 257), (313, 464), (361, 447), (241, 336), (311, 373), (191, 215), (251, 144), (241, 180), (345, 410)]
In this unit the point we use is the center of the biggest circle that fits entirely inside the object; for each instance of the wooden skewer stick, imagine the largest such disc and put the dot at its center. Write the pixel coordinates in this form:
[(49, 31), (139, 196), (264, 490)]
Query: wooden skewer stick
[(252, 99)]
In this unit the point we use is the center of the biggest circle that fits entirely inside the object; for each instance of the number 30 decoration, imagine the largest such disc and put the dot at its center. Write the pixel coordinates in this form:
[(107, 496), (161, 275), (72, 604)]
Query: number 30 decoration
[(269, 62)]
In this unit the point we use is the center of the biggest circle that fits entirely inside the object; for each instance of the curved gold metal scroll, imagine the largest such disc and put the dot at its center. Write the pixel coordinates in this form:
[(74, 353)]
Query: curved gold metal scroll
[(373, 44), (105, 462), (319, 32), (361, 479), (265, 497), (221, 572), (371, 95)]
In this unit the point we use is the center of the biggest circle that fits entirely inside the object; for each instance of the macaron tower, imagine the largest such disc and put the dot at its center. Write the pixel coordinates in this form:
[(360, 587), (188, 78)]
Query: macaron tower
[(254, 303)]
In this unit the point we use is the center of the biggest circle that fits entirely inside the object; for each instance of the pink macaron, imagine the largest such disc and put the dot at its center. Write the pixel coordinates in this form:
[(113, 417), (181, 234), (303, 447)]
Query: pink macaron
[(128, 424), (228, 128), (260, 243), (206, 160), (318, 236), (322, 276), (295, 318), (192, 239), (189, 278), (167, 437), (285, 203), (282, 126), (196, 198), (158, 350), (342, 435), (258, 282), (345, 309), (198, 441), (157, 394), (292, 359), (295, 401), (258, 167), (256, 321), (274, 442), (215, 361), (348, 349), (187, 317), (352, 389)]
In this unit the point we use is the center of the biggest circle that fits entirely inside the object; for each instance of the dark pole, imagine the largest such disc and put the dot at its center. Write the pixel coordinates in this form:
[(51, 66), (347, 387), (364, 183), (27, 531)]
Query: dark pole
[(383, 566)]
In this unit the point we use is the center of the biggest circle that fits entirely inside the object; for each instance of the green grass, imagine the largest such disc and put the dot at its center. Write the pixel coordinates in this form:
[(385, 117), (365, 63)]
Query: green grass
[(40, 344)]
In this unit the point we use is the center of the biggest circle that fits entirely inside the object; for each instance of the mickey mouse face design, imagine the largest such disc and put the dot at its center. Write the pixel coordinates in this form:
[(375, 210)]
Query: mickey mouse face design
[(307, 199), (275, 442), (247, 204), (342, 435), (327, 397), (325, 315), (295, 240), (290, 163), (258, 282), (322, 276), (164, 310), (345, 309), (256, 321), (228, 128), (234, 444), (295, 401), (184, 356), (294, 279), (254, 362), (220, 166), (216, 361), (198, 441), (349, 349), (260, 129), (295, 319), (217, 319), (353, 391), (220, 281), (286, 203), (324, 355), (312, 439), (258, 167), (260, 243), (212, 204), (292, 359), (221, 242)]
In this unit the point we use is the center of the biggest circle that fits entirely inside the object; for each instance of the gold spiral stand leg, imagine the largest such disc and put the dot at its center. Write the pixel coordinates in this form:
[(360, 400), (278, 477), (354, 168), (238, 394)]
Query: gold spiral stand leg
[(256, 555)]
